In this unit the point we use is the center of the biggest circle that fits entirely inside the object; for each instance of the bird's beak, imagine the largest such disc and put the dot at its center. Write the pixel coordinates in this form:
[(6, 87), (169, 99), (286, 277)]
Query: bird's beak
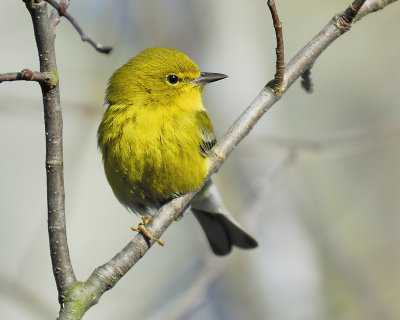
[(207, 77)]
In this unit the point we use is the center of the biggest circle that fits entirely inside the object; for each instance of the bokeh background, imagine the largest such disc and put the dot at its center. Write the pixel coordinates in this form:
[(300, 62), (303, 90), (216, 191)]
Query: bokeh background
[(316, 182)]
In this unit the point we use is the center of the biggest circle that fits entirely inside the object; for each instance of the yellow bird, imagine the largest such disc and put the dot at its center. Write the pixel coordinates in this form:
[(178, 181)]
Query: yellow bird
[(155, 137)]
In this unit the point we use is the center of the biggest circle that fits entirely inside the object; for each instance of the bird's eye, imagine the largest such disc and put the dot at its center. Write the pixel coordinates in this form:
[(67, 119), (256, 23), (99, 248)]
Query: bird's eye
[(172, 79)]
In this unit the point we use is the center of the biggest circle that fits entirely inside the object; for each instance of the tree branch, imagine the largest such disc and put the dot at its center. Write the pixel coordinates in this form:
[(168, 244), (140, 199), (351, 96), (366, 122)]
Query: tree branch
[(84, 295), (62, 11), (44, 35), (371, 6), (28, 75), (277, 83), (106, 276)]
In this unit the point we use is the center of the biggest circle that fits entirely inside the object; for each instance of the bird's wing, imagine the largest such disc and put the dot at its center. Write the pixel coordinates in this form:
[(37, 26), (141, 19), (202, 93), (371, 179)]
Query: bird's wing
[(207, 133)]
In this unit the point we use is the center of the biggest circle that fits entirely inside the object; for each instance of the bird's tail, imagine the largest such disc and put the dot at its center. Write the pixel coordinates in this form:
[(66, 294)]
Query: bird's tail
[(220, 227)]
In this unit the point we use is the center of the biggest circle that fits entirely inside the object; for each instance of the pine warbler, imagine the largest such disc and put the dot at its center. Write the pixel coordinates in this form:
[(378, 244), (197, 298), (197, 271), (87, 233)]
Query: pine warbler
[(155, 136)]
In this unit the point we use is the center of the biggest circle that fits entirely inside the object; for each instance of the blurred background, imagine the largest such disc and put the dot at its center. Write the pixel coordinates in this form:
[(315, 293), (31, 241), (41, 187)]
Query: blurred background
[(316, 182)]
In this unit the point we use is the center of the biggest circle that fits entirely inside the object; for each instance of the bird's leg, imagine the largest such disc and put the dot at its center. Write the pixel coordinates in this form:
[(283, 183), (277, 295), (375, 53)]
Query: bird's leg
[(142, 229)]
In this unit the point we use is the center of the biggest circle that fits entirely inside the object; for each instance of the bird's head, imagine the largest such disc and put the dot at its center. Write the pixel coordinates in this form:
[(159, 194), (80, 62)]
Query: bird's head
[(157, 76)]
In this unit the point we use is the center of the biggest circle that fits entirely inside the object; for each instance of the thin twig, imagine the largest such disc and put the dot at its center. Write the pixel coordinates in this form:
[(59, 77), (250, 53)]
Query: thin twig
[(61, 262), (306, 81), (277, 83), (62, 11), (106, 276), (28, 75)]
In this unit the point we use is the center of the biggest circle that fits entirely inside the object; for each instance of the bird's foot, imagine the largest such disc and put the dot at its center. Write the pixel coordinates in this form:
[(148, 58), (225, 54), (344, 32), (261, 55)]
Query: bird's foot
[(142, 229)]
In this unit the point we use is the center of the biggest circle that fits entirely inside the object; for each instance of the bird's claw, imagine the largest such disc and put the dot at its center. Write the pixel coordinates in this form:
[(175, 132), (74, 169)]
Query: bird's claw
[(142, 229)]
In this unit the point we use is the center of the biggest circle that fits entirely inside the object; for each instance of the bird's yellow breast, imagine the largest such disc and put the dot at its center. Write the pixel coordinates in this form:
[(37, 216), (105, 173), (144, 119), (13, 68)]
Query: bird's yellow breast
[(152, 152)]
